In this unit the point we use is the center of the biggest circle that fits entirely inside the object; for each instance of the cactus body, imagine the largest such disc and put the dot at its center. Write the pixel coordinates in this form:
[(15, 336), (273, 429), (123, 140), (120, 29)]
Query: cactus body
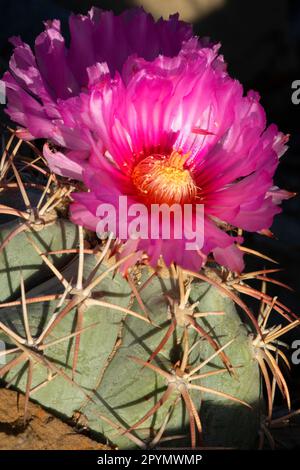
[(19, 255), (121, 389)]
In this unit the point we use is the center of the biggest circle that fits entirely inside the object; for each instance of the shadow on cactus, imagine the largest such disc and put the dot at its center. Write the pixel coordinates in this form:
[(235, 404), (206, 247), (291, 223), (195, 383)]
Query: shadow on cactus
[(154, 344)]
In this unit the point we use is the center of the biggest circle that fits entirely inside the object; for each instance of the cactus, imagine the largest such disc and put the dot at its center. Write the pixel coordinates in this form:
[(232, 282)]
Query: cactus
[(115, 347), (154, 358), (19, 255)]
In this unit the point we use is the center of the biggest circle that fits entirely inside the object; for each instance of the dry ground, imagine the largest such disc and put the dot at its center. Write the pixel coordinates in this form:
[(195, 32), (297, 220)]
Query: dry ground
[(43, 431)]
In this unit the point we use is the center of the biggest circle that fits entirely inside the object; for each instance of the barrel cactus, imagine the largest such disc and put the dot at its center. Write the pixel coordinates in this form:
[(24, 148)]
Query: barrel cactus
[(205, 366), (154, 345), (161, 357)]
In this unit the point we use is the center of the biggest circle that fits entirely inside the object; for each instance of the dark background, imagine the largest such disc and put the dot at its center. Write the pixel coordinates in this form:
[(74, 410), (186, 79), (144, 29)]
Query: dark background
[(261, 43)]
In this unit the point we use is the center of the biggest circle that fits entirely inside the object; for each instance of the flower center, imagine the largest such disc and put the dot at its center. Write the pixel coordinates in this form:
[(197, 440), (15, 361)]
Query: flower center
[(163, 179)]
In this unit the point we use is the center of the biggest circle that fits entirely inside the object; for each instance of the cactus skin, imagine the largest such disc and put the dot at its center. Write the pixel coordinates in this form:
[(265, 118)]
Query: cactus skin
[(122, 390), (228, 424), (134, 384), (19, 255)]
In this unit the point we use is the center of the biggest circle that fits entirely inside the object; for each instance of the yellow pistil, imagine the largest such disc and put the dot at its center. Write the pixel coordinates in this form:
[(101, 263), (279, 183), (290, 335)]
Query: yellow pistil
[(164, 179)]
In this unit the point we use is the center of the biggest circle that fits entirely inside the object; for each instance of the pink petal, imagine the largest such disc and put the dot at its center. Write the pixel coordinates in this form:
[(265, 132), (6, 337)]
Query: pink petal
[(62, 165), (230, 257)]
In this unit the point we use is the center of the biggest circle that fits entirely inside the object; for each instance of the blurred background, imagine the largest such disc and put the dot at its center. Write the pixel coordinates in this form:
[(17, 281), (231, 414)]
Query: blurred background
[(261, 43)]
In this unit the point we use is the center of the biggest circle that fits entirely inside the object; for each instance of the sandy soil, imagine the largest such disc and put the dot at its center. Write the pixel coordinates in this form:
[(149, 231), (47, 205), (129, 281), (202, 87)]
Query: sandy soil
[(42, 432)]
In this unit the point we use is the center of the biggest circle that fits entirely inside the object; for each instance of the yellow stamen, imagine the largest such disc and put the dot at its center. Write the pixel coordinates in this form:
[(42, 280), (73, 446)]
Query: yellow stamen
[(164, 179)]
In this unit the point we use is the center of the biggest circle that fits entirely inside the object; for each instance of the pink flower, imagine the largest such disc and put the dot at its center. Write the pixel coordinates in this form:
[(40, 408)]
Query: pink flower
[(179, 130), (40, 83), (141, 109)]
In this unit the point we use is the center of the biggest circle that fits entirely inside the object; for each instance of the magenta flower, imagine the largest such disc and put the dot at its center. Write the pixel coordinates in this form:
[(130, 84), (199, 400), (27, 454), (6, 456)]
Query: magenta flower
[(180, 131), (157, 129), (99, 43)]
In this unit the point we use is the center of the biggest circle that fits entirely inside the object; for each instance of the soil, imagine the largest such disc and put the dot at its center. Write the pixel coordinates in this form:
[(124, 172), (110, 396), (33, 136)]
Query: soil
[(42, 432)]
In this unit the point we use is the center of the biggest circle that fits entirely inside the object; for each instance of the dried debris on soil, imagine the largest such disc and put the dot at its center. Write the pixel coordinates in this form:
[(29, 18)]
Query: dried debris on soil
[(43, 431)]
